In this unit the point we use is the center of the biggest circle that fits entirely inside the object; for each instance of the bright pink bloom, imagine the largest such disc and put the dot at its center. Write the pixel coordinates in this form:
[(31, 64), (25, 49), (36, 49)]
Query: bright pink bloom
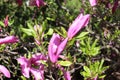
[(8, 39), (28, 65), (5, 71), (37, 3), (79, 23), (6, 21), (55, 47), (115, 6), (19, 2), (93, 2)]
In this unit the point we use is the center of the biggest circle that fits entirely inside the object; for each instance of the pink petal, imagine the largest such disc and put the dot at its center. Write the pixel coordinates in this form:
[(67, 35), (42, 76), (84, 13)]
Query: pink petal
[(6, 21), (73, 26), (36, 58), (25, 65), (5, 71), (83, 22), (38, 73), (62, 46), (25, 71), (37, 3), (79, 23), (52, 53), (52, 47), (93, 2), (9, 39)]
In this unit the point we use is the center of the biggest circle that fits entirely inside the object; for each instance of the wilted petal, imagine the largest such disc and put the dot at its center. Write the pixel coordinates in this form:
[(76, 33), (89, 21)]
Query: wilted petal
[(93, 2), (9, 39), (5, 71), (25, 65)]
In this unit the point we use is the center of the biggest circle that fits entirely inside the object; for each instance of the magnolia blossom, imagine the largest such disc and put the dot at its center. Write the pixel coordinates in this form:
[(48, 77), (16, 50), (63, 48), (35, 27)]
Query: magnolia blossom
[(37, 3), (8, 39), (80, 22), (33, 65), (93, 2), (55, 47), (6, 21), (5, 71)]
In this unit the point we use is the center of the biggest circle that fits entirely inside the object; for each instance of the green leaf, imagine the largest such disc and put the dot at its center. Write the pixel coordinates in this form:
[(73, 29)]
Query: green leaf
[(101, 64), (102, 76), (51, 19), (23, 78), (2, 24), (10, 22), (86, 69), (50, 32), (30, 26), (85, 74), (29, 32), (82, 34), (64, 63), (63, 31), (44, 25)]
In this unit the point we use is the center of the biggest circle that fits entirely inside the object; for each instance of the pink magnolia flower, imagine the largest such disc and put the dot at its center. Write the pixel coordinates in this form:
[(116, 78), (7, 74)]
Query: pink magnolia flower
[(8, 39), (29, 65), (5, 71), (19, 2), (93, 2), (115, 6), (37, 3), (55, 47), (6, 21), (79, 23)]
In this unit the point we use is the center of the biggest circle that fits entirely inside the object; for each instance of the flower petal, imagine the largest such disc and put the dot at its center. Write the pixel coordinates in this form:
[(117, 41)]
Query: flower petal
[(93, 2), (5, 71), (53, 46), (8, 39), (62, 46), (25, 65), (38, 73), (79, 23)]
